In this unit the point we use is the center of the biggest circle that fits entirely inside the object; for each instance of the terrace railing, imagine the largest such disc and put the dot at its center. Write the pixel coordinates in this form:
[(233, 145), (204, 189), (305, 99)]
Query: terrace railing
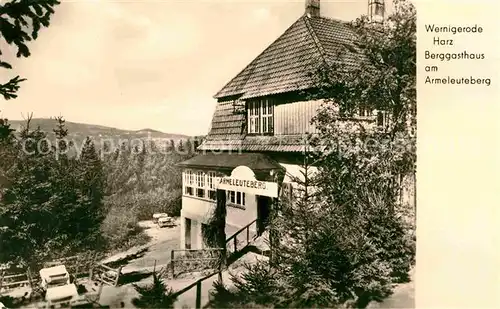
[(234, 243), (242, 237)]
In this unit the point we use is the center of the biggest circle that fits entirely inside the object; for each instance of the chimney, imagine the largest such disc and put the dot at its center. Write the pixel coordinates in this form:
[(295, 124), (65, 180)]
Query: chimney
[(312, 8), (376, 10)]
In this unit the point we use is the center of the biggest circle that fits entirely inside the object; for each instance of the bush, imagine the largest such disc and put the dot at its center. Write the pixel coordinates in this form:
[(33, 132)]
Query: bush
[(257, 288), (156, 295), (120, 229)]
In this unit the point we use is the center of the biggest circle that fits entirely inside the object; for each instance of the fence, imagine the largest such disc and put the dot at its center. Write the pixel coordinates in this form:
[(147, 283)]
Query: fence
[(105, 274), (100, 273), (193, 260), (10, 282)]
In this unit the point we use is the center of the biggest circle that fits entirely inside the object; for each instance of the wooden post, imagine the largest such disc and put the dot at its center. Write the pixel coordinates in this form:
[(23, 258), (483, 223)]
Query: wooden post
[(91, 270), (248, 234), (99, 291), (235, 243), (198, 294), (272, 237), (172, 263), (118, 275), (1, 279), (28, 276)]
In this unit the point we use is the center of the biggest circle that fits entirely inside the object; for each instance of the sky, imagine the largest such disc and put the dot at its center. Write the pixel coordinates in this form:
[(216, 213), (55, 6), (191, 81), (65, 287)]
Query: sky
[(147, 63)]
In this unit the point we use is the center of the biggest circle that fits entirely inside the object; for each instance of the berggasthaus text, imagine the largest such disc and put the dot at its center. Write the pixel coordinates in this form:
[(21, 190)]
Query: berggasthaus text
[(445, 37)]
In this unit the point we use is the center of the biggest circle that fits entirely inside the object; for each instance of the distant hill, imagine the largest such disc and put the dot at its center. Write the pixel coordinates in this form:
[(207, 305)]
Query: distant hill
[(77, 132)]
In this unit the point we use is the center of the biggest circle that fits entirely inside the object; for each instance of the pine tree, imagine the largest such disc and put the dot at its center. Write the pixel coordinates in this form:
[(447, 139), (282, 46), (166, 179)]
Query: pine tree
[(25, 215), (92, 187), (155, 295)]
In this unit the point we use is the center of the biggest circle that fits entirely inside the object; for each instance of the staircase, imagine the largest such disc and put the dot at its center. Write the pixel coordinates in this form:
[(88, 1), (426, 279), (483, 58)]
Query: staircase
[(238, 245), (242, 238)]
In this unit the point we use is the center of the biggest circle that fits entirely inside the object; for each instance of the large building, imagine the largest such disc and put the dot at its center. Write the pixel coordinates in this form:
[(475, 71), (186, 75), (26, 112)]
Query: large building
[(260, 121)]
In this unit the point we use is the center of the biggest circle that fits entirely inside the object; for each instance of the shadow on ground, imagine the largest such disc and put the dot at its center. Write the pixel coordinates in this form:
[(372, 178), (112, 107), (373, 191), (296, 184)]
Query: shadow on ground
[(134, 277), (127, 259)]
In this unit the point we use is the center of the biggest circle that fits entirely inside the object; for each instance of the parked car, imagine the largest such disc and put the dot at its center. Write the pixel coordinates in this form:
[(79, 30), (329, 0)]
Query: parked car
[(166, 221), (61, 296), (158, 216), (54, 277)]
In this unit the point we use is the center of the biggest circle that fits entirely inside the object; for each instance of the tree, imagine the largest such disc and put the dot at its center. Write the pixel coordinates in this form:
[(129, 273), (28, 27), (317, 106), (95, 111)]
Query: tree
[(155, 295), (385, 78), (51, 206), (361, 166), (214, 233), (7, 150), (92, 186), (20, 22)]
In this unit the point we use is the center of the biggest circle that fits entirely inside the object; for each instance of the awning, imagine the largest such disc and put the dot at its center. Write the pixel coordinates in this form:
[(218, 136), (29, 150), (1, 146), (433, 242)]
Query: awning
[(257, 162), (295, 173)]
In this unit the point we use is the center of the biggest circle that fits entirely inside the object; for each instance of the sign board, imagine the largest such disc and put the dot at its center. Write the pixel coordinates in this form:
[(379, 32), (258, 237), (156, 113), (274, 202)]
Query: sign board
[(243, 179)]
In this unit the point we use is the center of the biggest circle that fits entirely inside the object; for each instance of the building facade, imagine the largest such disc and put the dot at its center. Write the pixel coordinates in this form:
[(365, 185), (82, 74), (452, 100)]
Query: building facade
[(260, 121)]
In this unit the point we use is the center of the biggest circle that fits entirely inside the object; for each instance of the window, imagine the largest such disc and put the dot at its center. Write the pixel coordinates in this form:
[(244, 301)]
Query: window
[(200, 184), (236, 198), (260, 116), (188, 182), (267, 117), (253, 117), (211, 176)]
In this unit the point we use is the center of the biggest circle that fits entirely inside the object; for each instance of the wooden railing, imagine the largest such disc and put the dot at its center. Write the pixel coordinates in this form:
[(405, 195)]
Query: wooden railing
[(196, 284), (13, 281), (233, 241)]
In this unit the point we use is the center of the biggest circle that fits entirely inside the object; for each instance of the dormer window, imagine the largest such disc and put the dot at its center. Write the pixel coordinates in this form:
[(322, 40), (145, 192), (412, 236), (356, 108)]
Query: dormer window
[(260, 116)]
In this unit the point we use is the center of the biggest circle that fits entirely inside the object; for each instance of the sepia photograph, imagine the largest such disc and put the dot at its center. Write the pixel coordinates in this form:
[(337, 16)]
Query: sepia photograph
[(208, 154)]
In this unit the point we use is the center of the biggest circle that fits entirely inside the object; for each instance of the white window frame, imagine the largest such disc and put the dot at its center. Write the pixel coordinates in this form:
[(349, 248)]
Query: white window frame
[(253, 116), (200, 184), (267, 111), (234, 202), (260, 114), (211, 185), (189, 183)]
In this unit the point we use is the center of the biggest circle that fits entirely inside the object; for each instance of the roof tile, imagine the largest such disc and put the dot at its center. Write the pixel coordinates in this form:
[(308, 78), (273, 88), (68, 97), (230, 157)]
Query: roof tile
[(287, 63)]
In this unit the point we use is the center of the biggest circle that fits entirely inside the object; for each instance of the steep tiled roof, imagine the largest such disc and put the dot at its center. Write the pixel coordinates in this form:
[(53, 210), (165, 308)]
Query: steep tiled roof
[(228, 122), (284, 66), (287, 63)]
